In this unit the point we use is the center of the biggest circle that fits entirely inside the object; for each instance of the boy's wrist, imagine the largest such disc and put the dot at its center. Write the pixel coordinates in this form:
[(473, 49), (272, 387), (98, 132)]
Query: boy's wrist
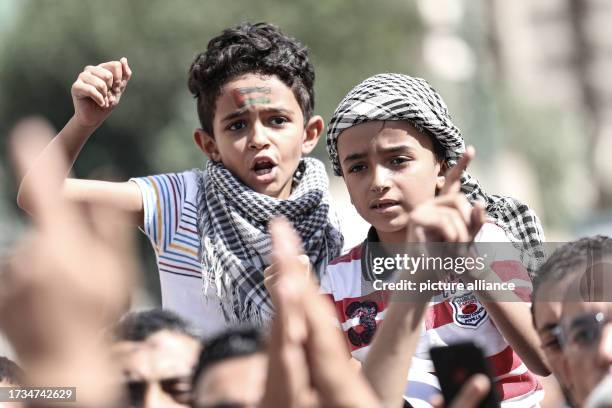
[(82, 127)]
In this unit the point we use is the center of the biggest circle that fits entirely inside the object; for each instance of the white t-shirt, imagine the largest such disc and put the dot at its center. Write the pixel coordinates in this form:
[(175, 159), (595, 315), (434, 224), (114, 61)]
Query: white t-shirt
[(170, 223)]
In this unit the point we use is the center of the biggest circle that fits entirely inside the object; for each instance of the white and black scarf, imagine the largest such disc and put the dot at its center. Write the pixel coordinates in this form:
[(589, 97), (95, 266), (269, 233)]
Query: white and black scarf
[(235, 243), (401, 97)]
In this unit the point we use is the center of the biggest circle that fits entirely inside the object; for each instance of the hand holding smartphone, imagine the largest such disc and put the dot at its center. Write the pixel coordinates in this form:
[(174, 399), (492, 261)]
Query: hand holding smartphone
[(455, 364)]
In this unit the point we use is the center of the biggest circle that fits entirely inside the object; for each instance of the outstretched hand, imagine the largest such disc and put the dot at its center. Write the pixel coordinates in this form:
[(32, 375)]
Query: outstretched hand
[(65, 281)]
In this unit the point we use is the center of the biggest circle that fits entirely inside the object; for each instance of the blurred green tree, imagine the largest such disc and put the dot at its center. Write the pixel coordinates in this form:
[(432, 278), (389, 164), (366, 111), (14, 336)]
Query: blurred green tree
[(51, 41)]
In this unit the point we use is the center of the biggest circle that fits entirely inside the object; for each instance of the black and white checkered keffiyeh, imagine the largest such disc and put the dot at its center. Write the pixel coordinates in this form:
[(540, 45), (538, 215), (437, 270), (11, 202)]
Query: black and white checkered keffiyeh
[(401, 97), (236, 246)]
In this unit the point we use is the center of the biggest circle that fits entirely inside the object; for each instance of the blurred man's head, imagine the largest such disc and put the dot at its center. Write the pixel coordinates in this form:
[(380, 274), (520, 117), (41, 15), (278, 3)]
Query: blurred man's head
[(570, 275), (10, 373), (10, 376), (567, 267), (232, 370), (157, 353)]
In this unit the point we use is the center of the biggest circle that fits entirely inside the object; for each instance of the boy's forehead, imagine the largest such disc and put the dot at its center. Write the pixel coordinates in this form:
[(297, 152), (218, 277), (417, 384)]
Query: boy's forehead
[(255, 89), (375, 135), (251, 95)]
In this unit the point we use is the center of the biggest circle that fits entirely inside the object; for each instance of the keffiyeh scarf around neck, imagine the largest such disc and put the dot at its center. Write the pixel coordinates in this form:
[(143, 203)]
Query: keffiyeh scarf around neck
[(401, 97), (235, 244)]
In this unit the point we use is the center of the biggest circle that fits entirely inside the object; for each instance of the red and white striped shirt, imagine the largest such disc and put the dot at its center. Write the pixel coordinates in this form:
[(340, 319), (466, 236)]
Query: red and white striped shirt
[(450, 318)]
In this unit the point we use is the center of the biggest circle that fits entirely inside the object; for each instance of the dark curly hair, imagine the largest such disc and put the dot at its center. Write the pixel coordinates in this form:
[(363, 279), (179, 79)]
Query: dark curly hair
[(250, 48)]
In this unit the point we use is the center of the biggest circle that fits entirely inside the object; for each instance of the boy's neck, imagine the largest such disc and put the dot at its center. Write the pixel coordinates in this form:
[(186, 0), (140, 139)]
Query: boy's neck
[(395, 237), (285, 193)]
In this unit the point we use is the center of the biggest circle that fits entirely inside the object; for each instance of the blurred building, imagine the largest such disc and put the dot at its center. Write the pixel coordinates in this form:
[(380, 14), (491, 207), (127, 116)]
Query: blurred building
[(559, 53), (550, 58)]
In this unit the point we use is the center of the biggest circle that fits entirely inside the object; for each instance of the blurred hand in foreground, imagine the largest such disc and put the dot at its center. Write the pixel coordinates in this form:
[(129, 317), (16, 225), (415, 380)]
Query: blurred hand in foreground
[(309, 362), (66, 280)]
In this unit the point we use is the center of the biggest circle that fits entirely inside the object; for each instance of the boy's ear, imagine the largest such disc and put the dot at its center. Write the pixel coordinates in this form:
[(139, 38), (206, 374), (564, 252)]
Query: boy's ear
[(312, 132), (207, 144), (441, 178)]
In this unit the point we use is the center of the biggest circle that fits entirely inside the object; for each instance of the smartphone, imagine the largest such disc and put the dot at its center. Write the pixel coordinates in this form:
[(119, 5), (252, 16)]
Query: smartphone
[(455, 364)]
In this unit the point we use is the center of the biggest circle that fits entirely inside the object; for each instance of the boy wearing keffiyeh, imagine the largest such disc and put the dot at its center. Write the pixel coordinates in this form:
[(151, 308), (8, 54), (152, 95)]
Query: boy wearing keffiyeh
[(255, 100), (392, 140)]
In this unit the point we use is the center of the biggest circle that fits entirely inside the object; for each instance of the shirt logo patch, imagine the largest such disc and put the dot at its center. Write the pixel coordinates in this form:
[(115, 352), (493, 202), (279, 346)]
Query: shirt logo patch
[(468, 311), (362, 334)]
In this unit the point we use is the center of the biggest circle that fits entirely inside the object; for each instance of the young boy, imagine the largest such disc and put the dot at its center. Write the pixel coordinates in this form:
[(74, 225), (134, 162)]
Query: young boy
[(255, 101), (392, 140)]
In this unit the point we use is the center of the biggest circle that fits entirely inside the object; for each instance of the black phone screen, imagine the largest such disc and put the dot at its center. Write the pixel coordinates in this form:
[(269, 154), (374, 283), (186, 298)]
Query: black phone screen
[(455, 364)]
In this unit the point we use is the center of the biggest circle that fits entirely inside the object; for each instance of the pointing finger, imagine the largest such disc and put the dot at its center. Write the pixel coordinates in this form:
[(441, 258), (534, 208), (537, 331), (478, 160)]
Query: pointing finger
[(452, 183)]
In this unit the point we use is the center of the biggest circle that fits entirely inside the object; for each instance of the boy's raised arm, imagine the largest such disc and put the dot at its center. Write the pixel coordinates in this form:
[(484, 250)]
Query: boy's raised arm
[(95, 94)]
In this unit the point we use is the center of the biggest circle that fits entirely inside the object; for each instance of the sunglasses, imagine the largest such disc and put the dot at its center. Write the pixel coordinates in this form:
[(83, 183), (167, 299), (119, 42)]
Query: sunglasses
[(583, 331)]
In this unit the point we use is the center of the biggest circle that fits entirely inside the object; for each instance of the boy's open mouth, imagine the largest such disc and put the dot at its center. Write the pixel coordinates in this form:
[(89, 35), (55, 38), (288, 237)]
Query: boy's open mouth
[(263, 166), (381, 205)]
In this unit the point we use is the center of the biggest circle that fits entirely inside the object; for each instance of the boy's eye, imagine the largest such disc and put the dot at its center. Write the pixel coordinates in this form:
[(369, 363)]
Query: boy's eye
[(356, 168), (278, 120), (396, 161), (237, 125)]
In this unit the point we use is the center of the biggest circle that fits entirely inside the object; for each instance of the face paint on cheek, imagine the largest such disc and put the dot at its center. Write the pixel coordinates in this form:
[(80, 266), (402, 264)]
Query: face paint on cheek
[(244, 97)]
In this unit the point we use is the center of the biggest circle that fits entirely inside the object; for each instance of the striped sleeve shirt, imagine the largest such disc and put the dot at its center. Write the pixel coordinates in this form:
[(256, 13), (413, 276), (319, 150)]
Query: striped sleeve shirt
[(449, 319), (171, 224)]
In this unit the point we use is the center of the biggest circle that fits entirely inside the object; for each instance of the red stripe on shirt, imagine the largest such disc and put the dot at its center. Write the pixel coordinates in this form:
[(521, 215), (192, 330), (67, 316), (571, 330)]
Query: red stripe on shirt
[(353, 255), (510, 269), (516, 386), (438, 315), (513, 270), (503, 362)]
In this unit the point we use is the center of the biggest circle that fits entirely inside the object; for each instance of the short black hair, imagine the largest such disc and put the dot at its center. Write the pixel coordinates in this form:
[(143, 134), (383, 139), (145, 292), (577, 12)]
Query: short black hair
[(235, 342), (568, 257), (10, 372), (566, 260), (250, 49), (139, 326)]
